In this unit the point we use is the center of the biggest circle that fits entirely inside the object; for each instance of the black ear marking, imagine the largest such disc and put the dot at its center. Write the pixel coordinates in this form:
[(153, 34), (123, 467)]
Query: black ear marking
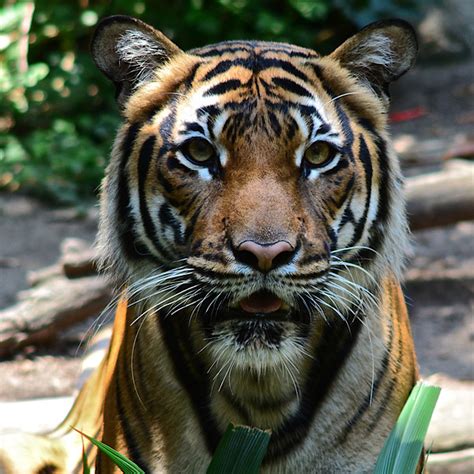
[(128, 52), (380, 53)]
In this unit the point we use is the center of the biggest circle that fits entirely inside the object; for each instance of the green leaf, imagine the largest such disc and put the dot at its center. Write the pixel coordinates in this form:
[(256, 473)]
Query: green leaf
[(403, 447), (240, 451), (124, 464), (85, 465)]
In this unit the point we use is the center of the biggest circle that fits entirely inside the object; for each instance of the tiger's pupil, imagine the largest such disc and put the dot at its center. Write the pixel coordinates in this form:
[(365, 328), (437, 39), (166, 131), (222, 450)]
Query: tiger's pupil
[(200, 150)]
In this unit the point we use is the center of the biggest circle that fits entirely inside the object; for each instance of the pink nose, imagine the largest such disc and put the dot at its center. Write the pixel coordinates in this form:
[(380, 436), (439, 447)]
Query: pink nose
[(264, 257)]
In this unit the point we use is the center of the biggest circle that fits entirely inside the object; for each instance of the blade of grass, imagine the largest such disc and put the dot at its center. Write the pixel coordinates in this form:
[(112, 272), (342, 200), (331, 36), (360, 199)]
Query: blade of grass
[(415, 431), (240, 451), (387, 456), (85, 464), (125, 465), (403, 447)]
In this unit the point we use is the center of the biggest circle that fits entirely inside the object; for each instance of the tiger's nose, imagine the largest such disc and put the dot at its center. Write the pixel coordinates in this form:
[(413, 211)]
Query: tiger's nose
[(264, 257)]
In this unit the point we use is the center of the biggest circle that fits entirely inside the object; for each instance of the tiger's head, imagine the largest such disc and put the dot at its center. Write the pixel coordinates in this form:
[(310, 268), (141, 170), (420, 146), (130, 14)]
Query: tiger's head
[(252, 186)]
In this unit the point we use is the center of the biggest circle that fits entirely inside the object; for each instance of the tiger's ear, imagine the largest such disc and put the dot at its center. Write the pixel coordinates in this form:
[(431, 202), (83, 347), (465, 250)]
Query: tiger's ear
[(128, 52), (380, 53)]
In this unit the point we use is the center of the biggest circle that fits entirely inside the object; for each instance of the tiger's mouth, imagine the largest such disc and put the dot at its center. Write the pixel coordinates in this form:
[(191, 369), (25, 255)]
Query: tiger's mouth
[(262, 302), (261, 306)]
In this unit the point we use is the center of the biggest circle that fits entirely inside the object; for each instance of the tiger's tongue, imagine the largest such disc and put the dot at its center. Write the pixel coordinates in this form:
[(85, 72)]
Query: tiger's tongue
[(261, 302)]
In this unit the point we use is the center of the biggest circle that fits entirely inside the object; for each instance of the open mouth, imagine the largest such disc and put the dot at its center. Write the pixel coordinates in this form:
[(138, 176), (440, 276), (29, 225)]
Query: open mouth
[(262, 306), (261, 302), (260, 320)]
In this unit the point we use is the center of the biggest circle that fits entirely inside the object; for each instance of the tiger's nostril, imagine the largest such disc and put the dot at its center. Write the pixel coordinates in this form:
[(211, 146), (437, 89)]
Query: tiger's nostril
[(264, 257)]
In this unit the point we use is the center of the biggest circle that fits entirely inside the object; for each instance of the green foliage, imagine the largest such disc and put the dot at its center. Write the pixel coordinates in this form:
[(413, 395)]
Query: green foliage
[(402, 450), (122, 462), (57, 113), (240, 451)]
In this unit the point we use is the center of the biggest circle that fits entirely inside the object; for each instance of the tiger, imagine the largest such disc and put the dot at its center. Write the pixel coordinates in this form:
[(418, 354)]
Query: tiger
[(253, 220)]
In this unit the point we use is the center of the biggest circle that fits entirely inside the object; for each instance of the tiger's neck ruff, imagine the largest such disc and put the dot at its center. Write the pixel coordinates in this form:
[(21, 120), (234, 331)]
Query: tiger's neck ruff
[(252, 208)]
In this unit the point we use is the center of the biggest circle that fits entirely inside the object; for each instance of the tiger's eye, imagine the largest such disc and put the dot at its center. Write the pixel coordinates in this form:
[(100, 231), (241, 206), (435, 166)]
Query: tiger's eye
[(199, 150), (319, 153)]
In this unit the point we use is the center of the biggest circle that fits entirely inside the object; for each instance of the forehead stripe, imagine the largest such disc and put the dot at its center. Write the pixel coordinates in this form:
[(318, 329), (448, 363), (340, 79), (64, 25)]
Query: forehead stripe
[(255, 64), (292, 86), (224, 87), (193, 127)]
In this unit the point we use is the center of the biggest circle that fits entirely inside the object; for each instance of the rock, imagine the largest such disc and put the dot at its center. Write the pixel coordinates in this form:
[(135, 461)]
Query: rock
[(452, 425), (455, 462)]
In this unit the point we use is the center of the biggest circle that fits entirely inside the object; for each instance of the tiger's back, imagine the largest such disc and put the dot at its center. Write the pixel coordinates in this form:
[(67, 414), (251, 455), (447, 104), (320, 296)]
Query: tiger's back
[(253, 211)]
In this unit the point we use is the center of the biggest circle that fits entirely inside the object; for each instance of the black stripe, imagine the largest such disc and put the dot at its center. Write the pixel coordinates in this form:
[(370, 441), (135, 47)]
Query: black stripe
[(342, 164), (361, 410), (313, 258), (275, 123), (347, 194), (308, 276), (399, 361), (335, 345), (166, 186), (166, 126), (346, 127), (146, 154), (209, 110), (191, 374), (168, 219), (270, 92), (347, 216), (132, 446), (192, 222), (224, 66), (366, 160), (133, 389), (220, 49), (266, 63), (377, 232), (345, 123), (173, 164), (193, 127), (214, 257), (131, 246), (267, 47), (188, 81), (292, 126), (217, 275), (384, 203), (291, 86), (291, 52), (224, 87)]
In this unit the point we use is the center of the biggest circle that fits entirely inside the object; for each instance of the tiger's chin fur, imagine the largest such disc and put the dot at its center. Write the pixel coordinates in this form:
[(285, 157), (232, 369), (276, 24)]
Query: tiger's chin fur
[(252, 216)]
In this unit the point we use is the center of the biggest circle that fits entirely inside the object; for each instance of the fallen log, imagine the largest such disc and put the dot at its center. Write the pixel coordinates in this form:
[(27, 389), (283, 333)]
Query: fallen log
[(78, 258), (45, 311), (442, 198)]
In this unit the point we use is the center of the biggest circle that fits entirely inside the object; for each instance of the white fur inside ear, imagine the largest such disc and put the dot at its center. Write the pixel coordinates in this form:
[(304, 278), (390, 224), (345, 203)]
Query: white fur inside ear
[(376, 49), (142, 53)]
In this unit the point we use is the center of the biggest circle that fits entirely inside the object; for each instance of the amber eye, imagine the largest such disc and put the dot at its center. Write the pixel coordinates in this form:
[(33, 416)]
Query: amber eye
[(319, 154), (199, 150)]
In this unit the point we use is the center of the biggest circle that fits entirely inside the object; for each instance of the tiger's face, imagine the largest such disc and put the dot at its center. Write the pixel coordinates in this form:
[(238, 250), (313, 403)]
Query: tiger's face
[(250, 188)]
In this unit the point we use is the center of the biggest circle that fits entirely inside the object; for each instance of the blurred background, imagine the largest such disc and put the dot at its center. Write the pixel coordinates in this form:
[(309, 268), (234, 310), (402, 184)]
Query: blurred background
[(58, 119)]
